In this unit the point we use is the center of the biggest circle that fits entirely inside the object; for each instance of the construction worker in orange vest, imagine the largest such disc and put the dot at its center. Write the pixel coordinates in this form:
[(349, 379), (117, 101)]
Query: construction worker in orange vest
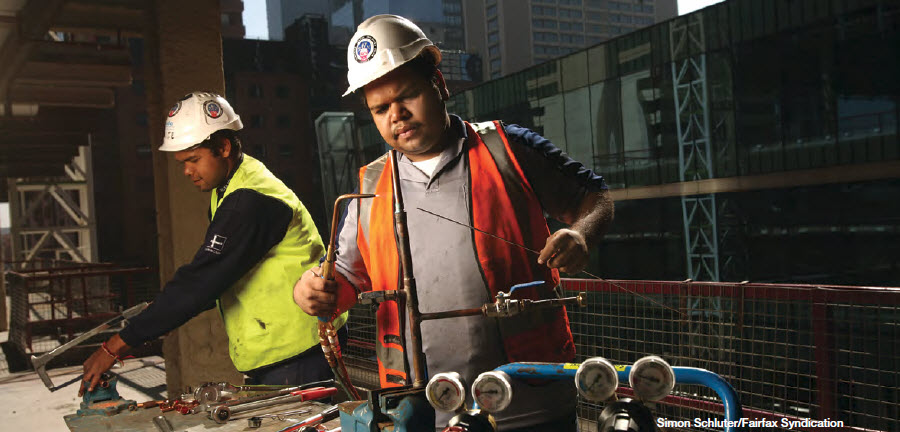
[(497, 178)]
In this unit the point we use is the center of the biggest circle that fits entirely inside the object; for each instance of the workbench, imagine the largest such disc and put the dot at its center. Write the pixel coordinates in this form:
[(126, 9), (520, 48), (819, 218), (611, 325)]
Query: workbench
[(141, 420)]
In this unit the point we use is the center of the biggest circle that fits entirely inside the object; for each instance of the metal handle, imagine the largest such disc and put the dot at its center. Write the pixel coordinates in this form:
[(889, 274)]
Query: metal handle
[(162, 424)]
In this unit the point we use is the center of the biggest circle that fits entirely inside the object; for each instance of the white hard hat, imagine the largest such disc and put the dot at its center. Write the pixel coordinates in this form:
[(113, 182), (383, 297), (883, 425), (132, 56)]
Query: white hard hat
[(195, 117), (381, 44)]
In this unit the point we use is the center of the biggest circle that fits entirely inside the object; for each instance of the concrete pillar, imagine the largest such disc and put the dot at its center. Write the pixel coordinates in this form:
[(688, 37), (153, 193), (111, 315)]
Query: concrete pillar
[(183, 53)]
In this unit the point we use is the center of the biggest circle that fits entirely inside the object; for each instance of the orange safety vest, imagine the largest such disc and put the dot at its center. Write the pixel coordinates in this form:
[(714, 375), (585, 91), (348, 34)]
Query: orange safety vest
[(503, 203)]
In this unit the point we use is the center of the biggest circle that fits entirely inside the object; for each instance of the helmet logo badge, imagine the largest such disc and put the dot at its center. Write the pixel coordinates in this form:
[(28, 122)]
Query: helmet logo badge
[(213, 110), (174, 110), (364, 49)]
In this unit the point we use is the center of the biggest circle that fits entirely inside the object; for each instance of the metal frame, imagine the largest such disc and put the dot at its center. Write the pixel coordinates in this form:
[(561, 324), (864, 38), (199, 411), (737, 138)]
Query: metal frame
[(35, 207), (694, 154)]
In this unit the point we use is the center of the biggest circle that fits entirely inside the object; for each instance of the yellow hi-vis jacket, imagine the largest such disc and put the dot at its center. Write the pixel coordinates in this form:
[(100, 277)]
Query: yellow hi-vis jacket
[(267, 289)]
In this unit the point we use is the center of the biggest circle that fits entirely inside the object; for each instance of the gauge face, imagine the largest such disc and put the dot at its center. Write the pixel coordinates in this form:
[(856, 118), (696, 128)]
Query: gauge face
[(651, 378), (596, 379), (446, 391), (492, 391)]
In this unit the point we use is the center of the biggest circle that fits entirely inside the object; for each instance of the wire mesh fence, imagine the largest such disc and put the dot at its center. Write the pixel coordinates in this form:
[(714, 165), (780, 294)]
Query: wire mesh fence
[(51, 304), (792, 352)]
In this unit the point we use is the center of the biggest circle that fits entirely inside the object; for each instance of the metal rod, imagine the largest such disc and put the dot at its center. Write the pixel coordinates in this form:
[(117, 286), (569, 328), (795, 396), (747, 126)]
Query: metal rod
[(409, 281), (536, 252), (328, 265), (452, 314), (327, 335)]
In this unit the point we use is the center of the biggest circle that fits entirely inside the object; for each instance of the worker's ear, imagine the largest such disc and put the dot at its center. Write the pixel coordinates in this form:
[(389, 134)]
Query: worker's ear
[(440, 84), (226, 148)]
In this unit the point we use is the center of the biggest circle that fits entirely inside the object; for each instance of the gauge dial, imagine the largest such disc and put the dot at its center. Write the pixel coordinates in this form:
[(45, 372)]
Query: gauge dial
[(596, 379), (492, 391), (446, 391), (651, 378)]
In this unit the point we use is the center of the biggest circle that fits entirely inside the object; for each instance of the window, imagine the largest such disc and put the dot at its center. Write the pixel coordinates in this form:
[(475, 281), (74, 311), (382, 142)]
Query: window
[(494, 51), (492, 24), (545, 37), (597, 3), (141, 119), (493, 37), (283, 91), (491, 10), (569, 13), (257, 121), (285, 149), (283, 121), (597, 28), (495, 65), (540, 10)]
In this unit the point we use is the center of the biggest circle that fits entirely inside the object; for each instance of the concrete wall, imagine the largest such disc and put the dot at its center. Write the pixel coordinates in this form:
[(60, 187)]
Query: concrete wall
[(184, 54)]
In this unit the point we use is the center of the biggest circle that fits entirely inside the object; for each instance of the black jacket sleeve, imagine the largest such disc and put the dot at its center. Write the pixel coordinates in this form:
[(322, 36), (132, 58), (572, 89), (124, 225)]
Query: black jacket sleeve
[(246, 226)]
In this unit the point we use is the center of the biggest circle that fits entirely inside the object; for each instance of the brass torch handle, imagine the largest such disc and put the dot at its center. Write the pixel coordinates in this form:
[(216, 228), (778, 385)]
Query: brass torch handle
[(328, 265)]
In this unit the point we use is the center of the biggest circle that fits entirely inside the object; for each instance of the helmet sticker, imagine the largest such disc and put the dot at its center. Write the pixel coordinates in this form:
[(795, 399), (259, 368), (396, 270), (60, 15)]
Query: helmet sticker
[(213, 110), (174, 110), (364, 49)]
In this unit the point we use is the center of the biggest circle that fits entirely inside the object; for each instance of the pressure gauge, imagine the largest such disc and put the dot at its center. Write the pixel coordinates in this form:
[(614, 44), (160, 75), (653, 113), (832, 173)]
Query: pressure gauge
[(492, 391), (446, 391), (596, 379), (651, 378)]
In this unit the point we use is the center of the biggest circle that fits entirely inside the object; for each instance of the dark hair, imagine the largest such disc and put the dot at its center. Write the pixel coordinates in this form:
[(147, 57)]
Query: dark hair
[(214, 143)]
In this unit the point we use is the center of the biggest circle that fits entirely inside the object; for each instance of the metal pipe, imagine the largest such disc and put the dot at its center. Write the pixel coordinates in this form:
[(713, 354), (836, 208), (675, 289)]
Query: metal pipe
[(409, 281), (452, 314), (328, 265), (327, 334)]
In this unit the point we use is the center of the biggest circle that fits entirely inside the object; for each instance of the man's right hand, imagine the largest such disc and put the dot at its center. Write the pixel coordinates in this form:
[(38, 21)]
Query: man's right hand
[(316, 296)]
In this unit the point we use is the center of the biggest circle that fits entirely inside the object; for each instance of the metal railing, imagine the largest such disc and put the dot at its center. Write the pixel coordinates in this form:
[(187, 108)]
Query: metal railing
[(791, 351)]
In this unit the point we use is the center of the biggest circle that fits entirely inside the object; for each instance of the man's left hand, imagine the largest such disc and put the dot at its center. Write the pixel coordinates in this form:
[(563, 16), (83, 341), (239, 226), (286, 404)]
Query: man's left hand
[(566, 250), (101, 361)]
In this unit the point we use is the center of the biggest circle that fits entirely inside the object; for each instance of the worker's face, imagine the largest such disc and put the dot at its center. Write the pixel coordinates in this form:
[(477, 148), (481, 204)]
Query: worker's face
[(205, 169), (409, 112)]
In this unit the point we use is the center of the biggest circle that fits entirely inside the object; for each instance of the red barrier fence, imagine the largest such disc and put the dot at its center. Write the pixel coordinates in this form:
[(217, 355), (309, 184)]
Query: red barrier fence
[(791, 351)]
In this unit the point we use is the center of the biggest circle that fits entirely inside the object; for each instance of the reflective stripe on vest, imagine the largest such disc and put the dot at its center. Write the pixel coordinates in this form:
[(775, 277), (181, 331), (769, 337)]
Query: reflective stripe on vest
[(264, 325), (512, 212)]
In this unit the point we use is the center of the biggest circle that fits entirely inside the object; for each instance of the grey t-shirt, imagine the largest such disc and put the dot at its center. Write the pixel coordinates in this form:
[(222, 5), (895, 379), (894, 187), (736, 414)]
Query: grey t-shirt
[(448, 277)]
